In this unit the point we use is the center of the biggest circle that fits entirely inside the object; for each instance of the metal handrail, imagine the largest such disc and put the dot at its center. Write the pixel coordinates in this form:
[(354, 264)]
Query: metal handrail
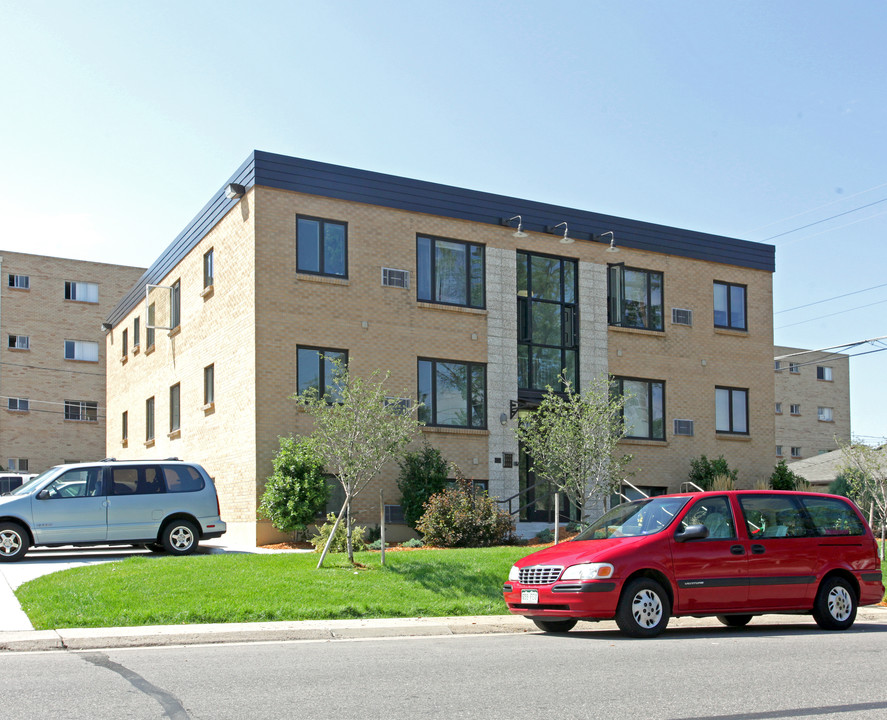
[(690, 482)]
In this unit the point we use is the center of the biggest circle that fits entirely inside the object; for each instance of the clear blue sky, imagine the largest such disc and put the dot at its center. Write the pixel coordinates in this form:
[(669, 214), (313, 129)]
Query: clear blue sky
[(746, 119)]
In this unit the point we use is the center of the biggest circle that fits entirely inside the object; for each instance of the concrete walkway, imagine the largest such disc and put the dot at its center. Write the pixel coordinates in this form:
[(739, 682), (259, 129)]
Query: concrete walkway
[(17, 633)]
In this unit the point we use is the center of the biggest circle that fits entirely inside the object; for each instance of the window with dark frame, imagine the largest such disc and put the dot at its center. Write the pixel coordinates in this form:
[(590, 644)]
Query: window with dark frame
[(315, 368), (124, 342), (453, 393), (82, 292), (730, 306), (823, 373), (209, 384), (124, 420), (208, 269), (643, 413), (634, 297), (450, 272), (547, 321), (731, 410), (175, 410), (321, 247), (149, 419)]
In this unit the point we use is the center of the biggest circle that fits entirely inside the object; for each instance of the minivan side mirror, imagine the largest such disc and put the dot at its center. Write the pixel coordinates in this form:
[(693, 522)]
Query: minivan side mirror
[(693, 532), (43, 495)]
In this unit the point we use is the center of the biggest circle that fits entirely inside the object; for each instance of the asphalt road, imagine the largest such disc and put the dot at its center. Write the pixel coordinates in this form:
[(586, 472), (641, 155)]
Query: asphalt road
[(767, 670)]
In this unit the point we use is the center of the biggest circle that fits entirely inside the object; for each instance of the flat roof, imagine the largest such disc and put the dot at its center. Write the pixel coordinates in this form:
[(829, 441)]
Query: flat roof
[(373, 188)]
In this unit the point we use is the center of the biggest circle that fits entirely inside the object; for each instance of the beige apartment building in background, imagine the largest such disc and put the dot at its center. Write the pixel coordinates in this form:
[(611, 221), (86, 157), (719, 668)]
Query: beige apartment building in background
[(474, 303), (52, 359), (812, 405)]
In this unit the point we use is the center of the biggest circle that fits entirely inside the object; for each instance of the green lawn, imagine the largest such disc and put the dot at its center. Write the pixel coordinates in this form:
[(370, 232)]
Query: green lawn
[(248, 588), (153, 590)]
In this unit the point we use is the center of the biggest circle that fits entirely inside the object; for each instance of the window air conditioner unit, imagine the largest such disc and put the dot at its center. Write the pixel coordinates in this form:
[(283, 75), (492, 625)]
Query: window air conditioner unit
[(395, 278), (683, 427)]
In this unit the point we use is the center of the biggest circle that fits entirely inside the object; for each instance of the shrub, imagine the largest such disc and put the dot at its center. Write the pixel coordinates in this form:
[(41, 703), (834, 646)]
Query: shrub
[(704, 471), (784, 479), (461, 517), (297, 489), (413, 543), (377, 544), (423, 473), (340, 539), (546, 535)]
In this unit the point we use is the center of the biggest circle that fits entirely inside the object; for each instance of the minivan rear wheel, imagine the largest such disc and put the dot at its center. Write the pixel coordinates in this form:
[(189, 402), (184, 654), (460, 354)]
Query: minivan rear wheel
[(835, 605), (643, 609), (554, 626), (734, 621), (180, 537), (13, 542)]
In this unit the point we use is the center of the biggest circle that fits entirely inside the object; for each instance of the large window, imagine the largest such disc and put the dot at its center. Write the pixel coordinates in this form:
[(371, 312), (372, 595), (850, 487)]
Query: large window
[(453, 393), (731, 410), (315, 369), (450, 272), (175, 413), (82, 292), (644, 411), (729, 305), (321, 247), (85, 350), (635, 298), (547, 321), (81, 410)]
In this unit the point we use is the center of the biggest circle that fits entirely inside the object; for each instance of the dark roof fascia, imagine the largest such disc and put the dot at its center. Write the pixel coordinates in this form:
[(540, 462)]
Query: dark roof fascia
[(323, 179)]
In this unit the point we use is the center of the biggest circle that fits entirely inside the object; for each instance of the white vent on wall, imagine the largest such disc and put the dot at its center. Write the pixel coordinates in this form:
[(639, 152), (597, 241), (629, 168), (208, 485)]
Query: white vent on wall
[(683, 427), (395, 278), (681, 316)]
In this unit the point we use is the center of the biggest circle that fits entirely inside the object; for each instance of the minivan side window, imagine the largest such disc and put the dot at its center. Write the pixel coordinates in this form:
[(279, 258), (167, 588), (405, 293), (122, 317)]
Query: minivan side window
[(772, 516), (81, 482), (715, 514), (182, 478), (135, 481), (832, 516)]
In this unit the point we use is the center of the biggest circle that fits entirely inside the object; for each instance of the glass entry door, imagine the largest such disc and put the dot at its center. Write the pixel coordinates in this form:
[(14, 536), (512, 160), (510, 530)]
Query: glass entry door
[(537, 496)]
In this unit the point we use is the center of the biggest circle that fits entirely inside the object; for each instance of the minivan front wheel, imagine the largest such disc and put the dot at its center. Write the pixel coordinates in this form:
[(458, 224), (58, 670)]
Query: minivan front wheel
[(643, 609), (180, 537), (835, 605), (13, 542)]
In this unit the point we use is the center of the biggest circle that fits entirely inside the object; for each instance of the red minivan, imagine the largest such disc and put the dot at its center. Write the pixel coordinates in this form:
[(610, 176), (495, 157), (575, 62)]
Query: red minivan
[(733, 554)]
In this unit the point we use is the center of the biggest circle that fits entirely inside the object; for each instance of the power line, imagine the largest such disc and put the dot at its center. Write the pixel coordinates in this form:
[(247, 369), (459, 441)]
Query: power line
[(840, 312), (837, 297), (819, 222), (64, 370)]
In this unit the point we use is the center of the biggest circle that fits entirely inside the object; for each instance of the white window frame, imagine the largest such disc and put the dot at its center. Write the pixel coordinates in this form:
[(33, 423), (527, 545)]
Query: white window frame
[(81, 350), (87, 292), (19, 342), (19, 282), (825, 414)]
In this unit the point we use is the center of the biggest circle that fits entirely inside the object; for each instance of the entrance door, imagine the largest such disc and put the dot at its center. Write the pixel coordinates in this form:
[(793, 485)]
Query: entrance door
[(537, 496)]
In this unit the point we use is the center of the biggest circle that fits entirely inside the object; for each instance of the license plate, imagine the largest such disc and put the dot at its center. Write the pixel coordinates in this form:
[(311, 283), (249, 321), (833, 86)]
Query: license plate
[(529, 597)]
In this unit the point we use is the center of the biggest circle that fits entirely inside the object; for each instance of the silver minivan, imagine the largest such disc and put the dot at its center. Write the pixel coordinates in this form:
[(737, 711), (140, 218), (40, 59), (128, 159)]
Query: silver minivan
[(166, 505)]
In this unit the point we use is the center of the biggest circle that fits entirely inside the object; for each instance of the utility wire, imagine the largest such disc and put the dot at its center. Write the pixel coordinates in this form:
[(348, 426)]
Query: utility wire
[(840, 312), (819, 222), (836, 297)]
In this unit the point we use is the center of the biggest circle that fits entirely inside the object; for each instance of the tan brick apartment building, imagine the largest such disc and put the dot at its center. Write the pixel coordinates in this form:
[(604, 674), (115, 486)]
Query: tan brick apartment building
[(52, 360), (812, 402), (473, 301)]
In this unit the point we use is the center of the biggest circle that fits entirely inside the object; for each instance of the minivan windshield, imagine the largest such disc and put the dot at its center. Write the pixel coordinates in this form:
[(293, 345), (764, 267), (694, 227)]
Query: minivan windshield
[(641, 517), (29, 486)]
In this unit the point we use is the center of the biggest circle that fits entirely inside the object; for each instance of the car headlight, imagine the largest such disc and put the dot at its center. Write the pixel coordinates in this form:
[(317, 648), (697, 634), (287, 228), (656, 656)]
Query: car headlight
[(514, 574), (588, 571)]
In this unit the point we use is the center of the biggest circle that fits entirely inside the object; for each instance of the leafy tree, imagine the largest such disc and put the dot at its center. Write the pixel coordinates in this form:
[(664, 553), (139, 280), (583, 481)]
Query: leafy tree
[(423, 473), (339, 542), (783, 478), (866, 469), (572, 439), (297, 489), (461, 516), (704, 471), (356, 433)]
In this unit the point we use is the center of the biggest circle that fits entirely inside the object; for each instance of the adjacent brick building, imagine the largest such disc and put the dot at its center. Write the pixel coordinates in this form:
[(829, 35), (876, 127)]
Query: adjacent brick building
[(473, 301), (52, 359), (812, 402)]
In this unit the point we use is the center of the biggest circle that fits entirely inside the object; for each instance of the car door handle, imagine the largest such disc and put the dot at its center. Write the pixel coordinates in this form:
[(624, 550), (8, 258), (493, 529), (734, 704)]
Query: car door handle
[(737, 550), (758, 549)]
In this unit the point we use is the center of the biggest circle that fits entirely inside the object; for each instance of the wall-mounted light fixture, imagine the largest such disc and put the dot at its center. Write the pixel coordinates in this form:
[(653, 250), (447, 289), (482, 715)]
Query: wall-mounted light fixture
[(519, 233), (106, 327), (600, 238), (234, 191), (566, 239), (503, 418)]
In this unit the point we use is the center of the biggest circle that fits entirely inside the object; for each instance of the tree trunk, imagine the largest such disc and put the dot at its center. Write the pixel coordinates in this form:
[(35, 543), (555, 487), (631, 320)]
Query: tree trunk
[(348, 531), (329, 540)]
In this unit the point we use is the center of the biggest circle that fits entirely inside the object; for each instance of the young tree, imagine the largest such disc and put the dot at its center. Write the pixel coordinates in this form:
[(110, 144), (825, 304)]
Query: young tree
[(572, 439), (423, 473), (866, 469), (703, 472), (297, 489), (784, 478), (356, 432)]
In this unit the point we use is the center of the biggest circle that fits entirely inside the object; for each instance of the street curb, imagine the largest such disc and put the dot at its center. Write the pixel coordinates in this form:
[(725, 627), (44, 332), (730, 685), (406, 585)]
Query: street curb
[(329, 630)]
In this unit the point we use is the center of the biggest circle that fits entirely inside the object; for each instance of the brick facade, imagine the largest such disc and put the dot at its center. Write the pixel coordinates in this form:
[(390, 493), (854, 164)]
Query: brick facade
[(261, 310), (40, 374)]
